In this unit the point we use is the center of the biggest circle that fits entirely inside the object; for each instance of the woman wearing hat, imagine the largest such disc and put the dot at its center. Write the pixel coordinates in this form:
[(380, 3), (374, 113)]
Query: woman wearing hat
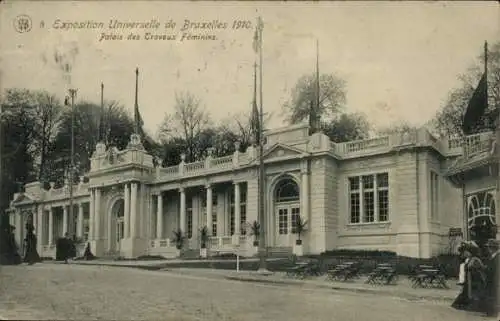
[(472, 279)]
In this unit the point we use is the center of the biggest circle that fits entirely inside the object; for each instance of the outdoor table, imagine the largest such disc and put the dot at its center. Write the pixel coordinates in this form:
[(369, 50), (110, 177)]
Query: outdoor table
[(429, 277)]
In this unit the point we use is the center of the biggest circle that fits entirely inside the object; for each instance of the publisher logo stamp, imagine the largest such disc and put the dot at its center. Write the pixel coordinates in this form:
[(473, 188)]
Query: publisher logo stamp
[(22, 23)]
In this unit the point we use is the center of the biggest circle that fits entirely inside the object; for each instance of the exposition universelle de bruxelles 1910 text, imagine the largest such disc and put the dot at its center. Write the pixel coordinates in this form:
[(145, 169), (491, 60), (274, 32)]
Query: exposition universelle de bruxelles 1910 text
[(154, 29)]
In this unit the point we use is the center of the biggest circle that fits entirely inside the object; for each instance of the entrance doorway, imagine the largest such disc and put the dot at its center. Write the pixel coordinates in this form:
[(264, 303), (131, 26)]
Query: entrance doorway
[(118, 225), (287, 211)]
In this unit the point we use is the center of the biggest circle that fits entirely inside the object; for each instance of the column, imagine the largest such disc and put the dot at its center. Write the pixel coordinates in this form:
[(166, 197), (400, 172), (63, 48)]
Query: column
[(65, 220), (91, 214), (39, 227), (237, 210), (51, 226), (159, 217), (19, 229), (182, 224), (209, 209), (133, 210), (304, 193), (79, 225), (126, 215), (97, 215)]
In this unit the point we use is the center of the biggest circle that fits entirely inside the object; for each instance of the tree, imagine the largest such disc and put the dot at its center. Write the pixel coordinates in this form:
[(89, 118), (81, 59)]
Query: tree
[(188, 122), (48, 111), (118, 127), (331, 100), (347, 127), (18, 148), (448, 120), (400, 127)]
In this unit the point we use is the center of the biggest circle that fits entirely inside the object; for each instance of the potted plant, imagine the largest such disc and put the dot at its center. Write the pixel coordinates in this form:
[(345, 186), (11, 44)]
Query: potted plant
[(204, 241), (255, 231), (179, 239), (300, 228)]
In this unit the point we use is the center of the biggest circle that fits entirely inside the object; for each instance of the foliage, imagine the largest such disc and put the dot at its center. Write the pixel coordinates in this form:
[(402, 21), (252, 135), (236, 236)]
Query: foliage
[(188, 122), (397, 128), (332, 98), (204, 236), (347, 127), (358, 253), (9, 254), (448, 120)]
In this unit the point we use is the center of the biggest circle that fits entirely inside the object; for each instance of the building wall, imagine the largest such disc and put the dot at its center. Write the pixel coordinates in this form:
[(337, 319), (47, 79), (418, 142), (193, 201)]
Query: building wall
[(379, 236)]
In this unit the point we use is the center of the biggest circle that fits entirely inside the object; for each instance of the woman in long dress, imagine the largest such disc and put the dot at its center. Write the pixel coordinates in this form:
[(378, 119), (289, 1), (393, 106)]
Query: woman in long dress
[(474, 280)]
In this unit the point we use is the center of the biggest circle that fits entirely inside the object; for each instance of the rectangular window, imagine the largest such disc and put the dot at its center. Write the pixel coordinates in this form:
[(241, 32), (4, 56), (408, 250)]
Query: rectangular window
[(354, 200), (434, 197), (214, 213), (86, 230), (283, 221), (369, 198), (243, 211), (189, 217), (295, 217)]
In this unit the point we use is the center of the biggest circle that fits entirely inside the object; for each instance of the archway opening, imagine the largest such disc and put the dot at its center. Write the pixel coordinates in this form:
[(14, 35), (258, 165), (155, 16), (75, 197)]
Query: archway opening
[(118, 223), (286, 209)]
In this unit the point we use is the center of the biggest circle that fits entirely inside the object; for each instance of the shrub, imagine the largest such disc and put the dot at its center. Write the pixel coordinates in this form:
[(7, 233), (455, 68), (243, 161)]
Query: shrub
[(150, 258), (358, 253)]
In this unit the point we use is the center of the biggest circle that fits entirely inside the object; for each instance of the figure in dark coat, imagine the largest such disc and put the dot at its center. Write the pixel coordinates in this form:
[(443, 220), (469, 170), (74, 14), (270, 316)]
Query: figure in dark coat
[(475, 280), (31, 254)]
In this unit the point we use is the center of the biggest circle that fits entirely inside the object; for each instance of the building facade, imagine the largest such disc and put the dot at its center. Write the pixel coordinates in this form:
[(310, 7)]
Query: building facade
[(402, 193)]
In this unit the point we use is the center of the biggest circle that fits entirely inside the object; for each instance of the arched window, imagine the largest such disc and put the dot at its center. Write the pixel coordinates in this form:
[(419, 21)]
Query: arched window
[(287, 191), (481, 207)]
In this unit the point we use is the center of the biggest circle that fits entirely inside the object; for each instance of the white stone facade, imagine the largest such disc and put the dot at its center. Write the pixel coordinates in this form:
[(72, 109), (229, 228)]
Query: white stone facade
[(387, 193)]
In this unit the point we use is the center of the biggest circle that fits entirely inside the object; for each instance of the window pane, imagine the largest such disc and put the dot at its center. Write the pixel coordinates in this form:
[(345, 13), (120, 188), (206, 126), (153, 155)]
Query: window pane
[(190, 223), (243, 216), (355, 210), (354, 183), (283, 221), (214, 222), (287, 191), (383, 180), (295, 218), (383, 206), (232, 219), (368, 181), (369, 207)]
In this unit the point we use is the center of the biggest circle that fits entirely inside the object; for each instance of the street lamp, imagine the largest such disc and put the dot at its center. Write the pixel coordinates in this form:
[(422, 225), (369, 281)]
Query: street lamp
[(72, 95)]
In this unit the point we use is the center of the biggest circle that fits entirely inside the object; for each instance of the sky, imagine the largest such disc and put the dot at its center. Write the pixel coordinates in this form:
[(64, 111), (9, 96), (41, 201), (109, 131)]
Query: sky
[(399, 59)]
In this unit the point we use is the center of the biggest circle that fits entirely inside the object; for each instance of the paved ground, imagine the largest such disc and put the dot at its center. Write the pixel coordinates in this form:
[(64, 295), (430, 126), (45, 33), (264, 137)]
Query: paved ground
[(50, 291)]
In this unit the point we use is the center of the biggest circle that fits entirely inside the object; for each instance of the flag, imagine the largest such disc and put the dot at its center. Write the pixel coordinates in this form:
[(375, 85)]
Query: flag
[(476, 107), (257, 37)]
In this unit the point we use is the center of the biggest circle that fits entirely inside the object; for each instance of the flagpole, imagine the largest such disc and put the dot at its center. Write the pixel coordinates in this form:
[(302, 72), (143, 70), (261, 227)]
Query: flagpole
[(262, 216), (136, 105), (72, 162), (316, 120), (100, 128)]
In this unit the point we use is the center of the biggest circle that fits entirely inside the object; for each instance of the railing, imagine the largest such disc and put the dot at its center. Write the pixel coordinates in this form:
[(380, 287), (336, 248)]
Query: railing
[(469, 146), (194, 167), (160, 243), (363, 146), (222, 162)]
